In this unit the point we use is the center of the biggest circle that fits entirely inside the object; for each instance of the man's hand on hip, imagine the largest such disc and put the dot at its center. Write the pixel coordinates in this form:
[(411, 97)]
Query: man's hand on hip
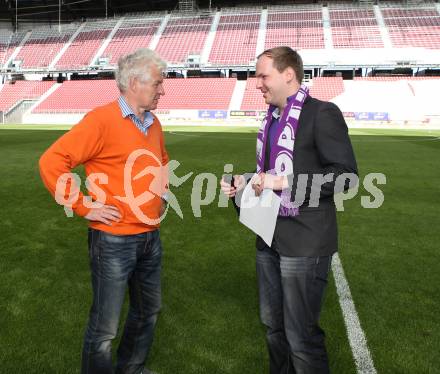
[(106, 214)]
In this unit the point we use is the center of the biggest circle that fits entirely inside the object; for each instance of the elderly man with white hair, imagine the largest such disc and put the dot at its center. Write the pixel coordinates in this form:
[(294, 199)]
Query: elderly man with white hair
[(121, 145)]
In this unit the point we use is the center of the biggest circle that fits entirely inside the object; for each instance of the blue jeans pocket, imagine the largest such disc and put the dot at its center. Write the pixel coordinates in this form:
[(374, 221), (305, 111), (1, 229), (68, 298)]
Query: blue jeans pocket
[(93, 236)]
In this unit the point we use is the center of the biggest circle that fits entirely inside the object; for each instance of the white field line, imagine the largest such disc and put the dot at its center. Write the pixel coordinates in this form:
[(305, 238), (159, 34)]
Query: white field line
[(356, 337)]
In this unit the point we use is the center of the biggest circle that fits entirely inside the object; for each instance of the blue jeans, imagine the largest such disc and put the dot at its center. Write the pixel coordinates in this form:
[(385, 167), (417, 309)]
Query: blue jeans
[(291, 290), (115, 262)]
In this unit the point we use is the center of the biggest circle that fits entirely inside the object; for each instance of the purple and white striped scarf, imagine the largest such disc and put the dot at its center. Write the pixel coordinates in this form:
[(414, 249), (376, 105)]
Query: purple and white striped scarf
[(282, 149)]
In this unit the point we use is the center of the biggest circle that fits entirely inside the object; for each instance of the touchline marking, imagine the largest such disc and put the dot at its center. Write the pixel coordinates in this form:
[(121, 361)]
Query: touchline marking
[(413, 139), (356, 337)]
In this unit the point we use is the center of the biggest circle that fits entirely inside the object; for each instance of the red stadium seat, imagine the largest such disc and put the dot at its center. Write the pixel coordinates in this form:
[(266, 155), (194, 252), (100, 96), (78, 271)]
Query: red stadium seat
[(413, 27), (197, 93), (326, 88), (355, 28), (183, 36), (235, 42), (130, 36), (191, 93), (79, 96), (12, 94), (300, 29), (84, 47)]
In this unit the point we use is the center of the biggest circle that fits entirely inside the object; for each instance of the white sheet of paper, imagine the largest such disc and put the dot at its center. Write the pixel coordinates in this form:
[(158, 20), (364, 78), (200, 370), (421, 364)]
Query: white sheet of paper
[(260, 213)]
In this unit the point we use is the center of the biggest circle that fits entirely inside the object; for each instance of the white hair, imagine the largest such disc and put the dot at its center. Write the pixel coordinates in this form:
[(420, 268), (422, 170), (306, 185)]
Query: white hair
[(137, 65)]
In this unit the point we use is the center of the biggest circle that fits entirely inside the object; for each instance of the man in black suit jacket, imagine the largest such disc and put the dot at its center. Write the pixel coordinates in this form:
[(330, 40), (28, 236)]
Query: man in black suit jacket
[(292, 273)]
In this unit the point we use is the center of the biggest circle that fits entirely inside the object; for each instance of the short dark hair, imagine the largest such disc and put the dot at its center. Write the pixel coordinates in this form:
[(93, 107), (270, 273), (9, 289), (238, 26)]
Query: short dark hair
[(284, 57)]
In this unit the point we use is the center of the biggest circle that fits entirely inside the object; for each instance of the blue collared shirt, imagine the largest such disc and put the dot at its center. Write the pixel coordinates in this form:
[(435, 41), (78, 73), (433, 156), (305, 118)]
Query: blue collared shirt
[(128, 112)]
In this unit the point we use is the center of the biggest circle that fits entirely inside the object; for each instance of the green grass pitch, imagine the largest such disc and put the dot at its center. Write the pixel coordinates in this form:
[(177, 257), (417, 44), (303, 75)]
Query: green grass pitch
[(209, 321)]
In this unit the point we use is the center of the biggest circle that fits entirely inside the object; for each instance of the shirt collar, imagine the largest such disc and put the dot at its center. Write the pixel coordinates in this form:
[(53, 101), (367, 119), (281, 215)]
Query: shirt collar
[(127, 111)]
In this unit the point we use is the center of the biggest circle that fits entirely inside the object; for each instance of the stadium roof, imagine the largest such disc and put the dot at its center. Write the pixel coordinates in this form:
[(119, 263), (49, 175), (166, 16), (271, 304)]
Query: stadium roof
[(51, 11), (75, 10), (48, 11)]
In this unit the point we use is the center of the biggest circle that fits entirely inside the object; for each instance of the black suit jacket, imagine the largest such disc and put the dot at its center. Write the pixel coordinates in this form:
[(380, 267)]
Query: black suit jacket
[(322, 146)]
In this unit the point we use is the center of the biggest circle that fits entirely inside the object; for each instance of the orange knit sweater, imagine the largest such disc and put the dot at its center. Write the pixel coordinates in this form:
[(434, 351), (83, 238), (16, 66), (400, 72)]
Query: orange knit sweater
[(103, 142)]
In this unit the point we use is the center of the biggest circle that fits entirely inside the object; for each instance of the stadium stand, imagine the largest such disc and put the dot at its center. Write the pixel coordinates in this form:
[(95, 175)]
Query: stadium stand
[(13, 93), (8, 43), (79, 96), (340, 37), (197, 93), (183, 94), (235, 41), (85, 45), (300, 28), (183, 36), (236, 36), (131, 34), (252, 99), (323, 88), (5, 47), (400, 99), (327, 88), (355, 28), (411, 27), (43, 45)]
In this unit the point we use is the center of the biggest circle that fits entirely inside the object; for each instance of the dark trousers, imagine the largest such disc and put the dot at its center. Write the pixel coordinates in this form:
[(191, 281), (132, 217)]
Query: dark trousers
[(291, 290), (117, 262)]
